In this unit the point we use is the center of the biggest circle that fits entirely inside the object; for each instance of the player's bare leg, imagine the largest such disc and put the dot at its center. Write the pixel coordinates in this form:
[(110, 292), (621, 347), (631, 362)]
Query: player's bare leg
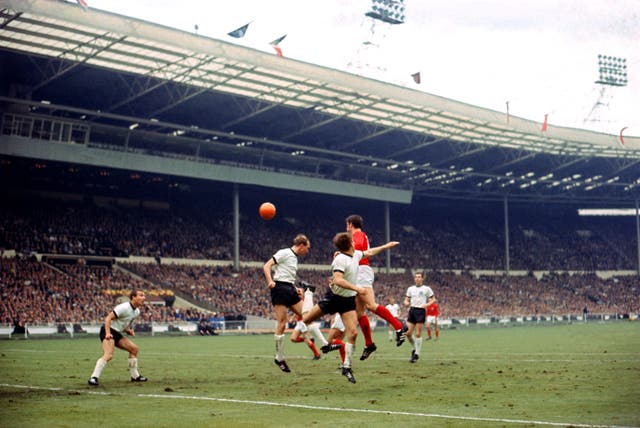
[(132, 348), (108, 347), (351, 332), (416, 341), (281, 322)]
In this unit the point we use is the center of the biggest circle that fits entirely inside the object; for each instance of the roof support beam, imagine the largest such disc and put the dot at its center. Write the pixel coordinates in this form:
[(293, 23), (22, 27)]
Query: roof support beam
[(145, 84), (57, 67), (8, 15), (513, 162)]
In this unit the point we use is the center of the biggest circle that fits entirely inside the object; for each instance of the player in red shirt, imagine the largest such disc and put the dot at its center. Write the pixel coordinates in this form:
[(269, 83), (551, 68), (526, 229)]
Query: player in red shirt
[(432, 317), (367, 300)]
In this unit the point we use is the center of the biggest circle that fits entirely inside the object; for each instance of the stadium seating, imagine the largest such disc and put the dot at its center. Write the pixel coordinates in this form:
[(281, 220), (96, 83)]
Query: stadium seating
[(437, 241)]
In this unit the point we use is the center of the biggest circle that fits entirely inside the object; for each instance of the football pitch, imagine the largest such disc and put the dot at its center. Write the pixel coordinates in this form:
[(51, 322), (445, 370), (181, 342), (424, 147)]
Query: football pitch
[(580, 375)]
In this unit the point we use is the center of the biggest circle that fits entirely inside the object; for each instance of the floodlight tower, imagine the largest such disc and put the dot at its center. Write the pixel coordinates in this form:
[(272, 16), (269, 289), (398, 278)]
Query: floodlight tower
[(383, 15), (612, 73)]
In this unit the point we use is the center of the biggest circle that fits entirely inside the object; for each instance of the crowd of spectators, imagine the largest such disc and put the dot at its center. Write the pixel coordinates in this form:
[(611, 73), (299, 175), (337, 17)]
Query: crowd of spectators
[(219, 288), (437, 239), (38, 293), (434, 240), (554, 294), (463, 295)]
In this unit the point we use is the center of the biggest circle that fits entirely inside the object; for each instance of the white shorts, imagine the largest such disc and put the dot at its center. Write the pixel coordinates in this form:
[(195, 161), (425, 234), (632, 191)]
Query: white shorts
[(365, 276), (337, 323), (432, 318)]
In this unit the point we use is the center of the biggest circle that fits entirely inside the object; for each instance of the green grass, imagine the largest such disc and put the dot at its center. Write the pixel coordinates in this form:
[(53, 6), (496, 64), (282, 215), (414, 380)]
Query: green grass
[(580, 374)]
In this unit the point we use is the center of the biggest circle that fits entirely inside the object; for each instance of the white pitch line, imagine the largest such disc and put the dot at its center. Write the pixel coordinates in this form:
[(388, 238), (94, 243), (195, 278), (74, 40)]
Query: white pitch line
[(463, 357), (322, 408)]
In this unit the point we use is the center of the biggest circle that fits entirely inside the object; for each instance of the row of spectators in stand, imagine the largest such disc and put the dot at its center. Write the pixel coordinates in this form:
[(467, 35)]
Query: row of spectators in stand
[(459, 295), (234, 294), (462, 296), (444, 238), (34, 292), (37, 293)]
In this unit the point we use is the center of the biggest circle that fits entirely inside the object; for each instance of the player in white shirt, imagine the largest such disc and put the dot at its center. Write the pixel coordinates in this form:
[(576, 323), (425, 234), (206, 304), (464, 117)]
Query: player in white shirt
[(394, 308), (340, 298), (418, 298), (111, 335), (301, 332), (284, 294)]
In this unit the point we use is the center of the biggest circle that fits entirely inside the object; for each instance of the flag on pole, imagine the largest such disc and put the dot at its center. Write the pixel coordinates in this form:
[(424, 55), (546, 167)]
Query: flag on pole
[(277, 41), (621, 137), (238, 32), (83, 3), (545, 124), (416, 77), (278, 50)]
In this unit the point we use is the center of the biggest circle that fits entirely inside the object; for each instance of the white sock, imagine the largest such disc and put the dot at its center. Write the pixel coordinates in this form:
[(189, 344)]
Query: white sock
[(348, 354), (133, 367), (99, 366), (411, 340), (279, 347), (315, 329), (418, 345)]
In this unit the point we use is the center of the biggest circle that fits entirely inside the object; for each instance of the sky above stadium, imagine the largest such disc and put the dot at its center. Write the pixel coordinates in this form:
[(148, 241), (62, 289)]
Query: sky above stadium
[(540, 57)]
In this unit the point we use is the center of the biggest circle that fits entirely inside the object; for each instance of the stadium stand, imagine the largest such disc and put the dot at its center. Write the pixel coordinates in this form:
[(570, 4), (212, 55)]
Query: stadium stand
[(539, 240), (449, 248), (137, 191)]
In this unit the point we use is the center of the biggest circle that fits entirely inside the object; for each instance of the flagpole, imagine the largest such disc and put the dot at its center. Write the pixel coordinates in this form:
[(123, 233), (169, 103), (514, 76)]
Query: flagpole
[(507, 112), (507, 262)]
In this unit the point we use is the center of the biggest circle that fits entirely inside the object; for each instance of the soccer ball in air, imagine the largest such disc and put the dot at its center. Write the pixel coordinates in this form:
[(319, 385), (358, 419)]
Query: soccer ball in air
[(267, 211)]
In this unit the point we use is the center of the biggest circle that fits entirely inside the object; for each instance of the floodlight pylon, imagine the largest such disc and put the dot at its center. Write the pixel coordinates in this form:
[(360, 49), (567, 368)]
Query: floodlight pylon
[(378, 21), (612, 74)]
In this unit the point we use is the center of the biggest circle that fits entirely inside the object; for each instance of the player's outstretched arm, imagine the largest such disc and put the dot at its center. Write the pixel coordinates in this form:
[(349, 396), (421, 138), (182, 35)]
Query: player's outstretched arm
[(377, 250)]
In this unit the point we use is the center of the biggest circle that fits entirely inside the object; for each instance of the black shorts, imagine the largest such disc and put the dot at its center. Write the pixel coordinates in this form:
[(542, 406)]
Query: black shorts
[(284, 294), (117, 336), (332, 303), (417, 315)]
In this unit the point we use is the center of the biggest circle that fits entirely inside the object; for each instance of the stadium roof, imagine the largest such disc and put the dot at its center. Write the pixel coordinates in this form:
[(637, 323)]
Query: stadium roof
[(131, 84)]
